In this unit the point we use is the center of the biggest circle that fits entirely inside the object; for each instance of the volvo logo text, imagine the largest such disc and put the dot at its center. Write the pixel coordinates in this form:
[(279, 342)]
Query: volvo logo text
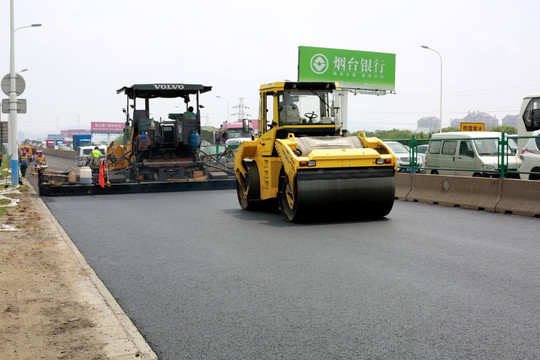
[(169, 86)]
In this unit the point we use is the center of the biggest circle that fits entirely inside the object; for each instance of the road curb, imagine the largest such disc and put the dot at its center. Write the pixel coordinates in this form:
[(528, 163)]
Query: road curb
[(123, 338)]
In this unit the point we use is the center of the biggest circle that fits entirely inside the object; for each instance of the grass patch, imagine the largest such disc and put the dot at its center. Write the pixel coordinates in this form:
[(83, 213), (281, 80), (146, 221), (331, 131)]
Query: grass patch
[(4, 210)]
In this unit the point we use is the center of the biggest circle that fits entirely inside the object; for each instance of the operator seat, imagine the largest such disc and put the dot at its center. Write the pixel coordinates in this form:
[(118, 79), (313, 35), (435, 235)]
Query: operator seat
[(289, 115)]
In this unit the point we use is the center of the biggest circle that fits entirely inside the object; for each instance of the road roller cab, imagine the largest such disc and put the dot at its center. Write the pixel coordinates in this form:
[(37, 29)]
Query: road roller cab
[(304, 159)]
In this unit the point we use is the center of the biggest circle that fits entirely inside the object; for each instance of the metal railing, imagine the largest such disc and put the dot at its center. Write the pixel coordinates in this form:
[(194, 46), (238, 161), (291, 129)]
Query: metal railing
[(411, 146), (511, 162)]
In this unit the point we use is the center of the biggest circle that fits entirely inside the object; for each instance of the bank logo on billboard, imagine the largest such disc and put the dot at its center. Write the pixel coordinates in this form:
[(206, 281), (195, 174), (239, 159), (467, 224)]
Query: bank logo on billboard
[(319, 64), (351, 68)]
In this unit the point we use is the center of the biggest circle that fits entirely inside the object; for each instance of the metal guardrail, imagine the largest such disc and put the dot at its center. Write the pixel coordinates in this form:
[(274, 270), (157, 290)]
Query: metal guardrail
[(528, 157)]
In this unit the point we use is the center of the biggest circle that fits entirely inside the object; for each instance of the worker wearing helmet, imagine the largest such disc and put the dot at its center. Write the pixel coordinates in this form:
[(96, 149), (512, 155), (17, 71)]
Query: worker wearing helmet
[(24, 160), (142, 141), (142, 145), (41, 159)]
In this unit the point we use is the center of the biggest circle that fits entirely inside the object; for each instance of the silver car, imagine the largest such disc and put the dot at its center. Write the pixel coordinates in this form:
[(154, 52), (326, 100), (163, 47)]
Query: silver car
[(421, 151), (403, 155)]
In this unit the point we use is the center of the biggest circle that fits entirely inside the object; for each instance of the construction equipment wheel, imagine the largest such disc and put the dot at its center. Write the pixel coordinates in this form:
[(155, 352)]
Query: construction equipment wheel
[(316, 198), (287, 199), (249, 190)]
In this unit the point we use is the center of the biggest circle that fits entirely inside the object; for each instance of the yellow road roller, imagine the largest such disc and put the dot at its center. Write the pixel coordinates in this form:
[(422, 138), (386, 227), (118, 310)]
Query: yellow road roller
[(303, 158)]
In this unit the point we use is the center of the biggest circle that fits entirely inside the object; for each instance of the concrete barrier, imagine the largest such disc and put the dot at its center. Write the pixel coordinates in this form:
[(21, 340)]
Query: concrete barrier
[(68, 154), (403, 185), (457, 191), (425, 189), (520, 197)]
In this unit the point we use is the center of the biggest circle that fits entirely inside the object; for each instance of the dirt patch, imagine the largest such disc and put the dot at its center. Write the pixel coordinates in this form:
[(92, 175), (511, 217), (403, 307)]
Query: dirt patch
[(41, 316), (38, 315)]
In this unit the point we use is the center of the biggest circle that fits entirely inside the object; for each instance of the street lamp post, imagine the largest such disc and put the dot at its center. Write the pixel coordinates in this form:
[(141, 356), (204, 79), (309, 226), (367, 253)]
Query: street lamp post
[(427, 47), (221, 97), (12, 136)]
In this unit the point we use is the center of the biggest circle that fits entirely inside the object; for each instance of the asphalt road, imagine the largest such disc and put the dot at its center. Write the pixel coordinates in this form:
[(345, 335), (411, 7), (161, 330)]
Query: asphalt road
[(59, 163), (202, 279)]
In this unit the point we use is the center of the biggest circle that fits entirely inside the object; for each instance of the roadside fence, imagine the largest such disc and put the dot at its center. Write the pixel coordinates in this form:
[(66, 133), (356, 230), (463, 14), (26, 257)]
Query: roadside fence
[(491, 157)]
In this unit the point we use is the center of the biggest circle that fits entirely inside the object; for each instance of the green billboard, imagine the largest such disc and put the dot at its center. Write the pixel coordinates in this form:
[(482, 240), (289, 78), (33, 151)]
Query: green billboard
[(351, 68)]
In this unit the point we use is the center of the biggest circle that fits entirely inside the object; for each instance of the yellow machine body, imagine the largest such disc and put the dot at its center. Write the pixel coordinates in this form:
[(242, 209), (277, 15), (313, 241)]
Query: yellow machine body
[(303, 157), (121, 153)]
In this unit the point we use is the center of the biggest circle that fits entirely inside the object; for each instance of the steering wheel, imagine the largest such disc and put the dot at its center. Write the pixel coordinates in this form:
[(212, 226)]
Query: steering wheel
[(311, 116)]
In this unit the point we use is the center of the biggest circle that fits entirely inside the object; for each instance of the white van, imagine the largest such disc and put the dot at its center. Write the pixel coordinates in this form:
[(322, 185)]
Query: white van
[(469, 153)]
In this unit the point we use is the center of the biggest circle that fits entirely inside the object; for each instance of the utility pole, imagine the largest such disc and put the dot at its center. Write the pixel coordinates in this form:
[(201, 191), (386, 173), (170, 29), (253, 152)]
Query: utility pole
[(241, 110)]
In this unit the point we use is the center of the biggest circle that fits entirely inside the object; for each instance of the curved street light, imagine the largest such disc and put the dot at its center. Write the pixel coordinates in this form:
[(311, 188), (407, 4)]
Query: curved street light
[(12, 124), (27, 26), (427, 47), (221, 97)]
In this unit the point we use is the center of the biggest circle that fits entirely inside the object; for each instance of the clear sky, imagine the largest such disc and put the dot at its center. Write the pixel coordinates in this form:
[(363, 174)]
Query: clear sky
[(86, 50)]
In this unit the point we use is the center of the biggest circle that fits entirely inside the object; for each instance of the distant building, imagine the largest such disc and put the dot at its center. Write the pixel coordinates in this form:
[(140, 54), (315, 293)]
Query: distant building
[(510, 120), (455, 122), (428, 124)]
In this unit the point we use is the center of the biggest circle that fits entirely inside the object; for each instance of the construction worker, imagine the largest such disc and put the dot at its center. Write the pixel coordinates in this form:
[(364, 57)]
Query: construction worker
[(288, 111), (194, 139), (190, 113), (94, 159), (142, 144), (40, 160), (142, 141), (24, 160)]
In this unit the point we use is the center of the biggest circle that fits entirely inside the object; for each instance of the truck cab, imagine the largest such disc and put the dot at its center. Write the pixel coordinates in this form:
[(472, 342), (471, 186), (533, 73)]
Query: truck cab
[(233, 134), (529, 118)]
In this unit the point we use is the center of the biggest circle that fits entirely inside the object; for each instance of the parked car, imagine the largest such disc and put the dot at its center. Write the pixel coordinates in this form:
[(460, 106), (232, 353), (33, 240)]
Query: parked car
[(421, 151), (403, 155), (530, 158), (469, 153), (86, 151)]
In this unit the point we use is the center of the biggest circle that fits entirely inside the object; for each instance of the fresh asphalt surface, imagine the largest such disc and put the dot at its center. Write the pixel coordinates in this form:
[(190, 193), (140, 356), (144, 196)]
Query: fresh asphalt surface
[(202, 279)]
